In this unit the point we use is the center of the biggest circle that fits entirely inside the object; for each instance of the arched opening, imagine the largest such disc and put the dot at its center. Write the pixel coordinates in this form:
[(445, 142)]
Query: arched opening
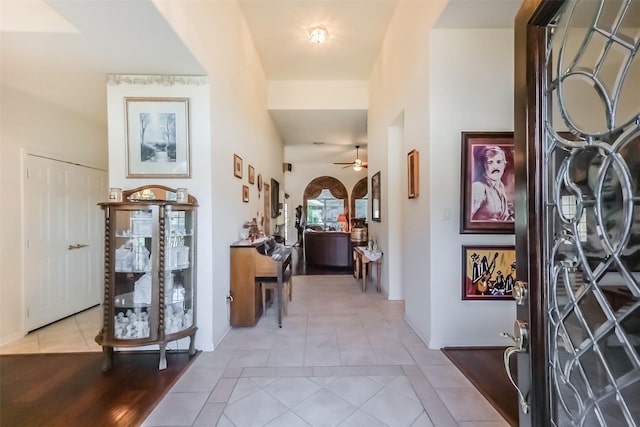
[(324, 199)]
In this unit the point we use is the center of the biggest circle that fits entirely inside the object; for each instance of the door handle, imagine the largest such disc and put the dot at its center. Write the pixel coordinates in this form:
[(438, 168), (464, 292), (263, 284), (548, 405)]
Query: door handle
[(520, 338), (76, 246)]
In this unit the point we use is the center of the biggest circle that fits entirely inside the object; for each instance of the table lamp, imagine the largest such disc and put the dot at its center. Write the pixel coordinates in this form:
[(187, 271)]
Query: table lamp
[(342, 218)]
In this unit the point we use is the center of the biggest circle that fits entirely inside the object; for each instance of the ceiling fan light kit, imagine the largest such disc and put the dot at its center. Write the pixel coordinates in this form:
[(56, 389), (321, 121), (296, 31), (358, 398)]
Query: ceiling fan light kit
[(357, 164)]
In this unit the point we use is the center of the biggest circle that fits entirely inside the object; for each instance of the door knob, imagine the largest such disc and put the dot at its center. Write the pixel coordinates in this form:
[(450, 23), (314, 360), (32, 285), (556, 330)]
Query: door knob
[(520, 339)]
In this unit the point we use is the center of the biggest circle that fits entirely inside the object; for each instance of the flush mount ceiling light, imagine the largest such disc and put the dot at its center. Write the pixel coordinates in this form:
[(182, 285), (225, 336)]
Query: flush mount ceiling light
[(318, 35)]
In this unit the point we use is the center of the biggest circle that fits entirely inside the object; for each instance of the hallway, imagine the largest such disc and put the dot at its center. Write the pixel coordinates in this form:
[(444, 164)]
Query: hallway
[(342, 358)]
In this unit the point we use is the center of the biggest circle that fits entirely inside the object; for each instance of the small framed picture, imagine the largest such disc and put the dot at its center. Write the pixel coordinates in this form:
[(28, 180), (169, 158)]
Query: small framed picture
[(375, 197), (413, 174), (237, 166), (259, 183), (252, 175), (245, 193), (488, 272)]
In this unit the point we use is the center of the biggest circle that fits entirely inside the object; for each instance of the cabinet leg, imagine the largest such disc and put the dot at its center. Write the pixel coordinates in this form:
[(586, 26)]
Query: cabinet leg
[(192, 344), (163, 356), (107, 359)]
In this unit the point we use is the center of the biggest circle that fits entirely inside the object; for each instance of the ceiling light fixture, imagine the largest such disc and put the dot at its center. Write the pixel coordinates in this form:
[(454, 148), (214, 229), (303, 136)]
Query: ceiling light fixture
[(357, 165), (318, 35)]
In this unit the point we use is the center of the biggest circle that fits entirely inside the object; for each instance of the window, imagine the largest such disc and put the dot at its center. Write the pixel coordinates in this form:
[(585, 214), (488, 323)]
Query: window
[(324, 210)]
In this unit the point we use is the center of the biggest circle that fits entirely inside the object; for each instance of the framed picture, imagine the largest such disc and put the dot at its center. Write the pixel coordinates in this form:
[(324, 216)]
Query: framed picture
[(252, 175), (157, 137), (413, 174), (259, 182), (487, 183), (375, 197), (488, 272), (237, 166), (245, 193)]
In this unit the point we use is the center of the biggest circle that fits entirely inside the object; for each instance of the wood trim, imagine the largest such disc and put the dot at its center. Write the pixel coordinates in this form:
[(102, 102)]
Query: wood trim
[(529, 56), (359, 191)]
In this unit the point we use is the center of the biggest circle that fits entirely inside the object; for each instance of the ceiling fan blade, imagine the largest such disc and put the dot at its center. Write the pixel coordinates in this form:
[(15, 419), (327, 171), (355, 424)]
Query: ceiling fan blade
[(343, 163)]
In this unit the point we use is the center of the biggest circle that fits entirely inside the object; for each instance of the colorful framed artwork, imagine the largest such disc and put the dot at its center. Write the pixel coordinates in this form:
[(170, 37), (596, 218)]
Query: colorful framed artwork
[(487, 183), (237, 166), (157, 137), (488, 272)]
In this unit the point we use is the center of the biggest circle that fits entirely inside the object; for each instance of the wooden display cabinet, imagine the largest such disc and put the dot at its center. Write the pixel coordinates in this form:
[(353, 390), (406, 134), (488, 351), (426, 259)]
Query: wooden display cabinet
[(150, 271)]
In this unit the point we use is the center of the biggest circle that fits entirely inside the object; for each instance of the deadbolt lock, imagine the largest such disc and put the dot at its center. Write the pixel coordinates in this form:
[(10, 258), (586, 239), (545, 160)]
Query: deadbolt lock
[(520, 292)]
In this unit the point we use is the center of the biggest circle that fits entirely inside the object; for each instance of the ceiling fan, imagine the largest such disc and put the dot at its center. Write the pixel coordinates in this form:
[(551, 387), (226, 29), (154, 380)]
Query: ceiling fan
[(357, 164)]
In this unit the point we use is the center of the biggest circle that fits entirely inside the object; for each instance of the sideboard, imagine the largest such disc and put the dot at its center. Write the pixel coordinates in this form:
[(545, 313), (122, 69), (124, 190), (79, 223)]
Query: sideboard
[(328, 248)]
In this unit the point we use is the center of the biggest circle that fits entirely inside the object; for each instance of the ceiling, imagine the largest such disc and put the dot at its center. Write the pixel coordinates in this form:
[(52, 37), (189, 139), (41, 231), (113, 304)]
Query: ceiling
[(57, 39)]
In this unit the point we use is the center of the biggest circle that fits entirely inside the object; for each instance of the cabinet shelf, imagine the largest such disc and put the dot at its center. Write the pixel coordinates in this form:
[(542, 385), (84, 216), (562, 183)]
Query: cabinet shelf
[(135, 314)]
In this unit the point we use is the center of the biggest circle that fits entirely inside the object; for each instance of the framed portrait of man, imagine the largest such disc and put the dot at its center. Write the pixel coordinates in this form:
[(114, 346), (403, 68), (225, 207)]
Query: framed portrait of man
[(488, 183)]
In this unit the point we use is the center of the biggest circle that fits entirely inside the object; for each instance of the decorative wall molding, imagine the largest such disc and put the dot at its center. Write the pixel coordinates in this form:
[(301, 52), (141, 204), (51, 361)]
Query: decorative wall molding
[(127, 79)]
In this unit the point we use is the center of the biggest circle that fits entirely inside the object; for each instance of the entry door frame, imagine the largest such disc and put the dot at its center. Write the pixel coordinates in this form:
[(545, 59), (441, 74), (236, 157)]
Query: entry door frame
[(529, 56)]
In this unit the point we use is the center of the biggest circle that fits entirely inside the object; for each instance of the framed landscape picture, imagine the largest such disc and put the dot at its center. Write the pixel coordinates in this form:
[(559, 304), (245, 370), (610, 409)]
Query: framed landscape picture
[(487, 183), (157, 137), (488, 272)]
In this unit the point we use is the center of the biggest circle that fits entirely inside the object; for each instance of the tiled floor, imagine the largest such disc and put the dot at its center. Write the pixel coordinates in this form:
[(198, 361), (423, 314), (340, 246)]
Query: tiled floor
[(71, 335), (342, 358)]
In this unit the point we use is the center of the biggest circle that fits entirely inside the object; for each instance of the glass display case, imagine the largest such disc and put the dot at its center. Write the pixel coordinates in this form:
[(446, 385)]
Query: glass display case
[(150, 271)]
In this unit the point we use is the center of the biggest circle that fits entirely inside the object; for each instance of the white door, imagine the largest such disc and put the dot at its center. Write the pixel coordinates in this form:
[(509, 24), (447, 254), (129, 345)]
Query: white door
[(64, 239)]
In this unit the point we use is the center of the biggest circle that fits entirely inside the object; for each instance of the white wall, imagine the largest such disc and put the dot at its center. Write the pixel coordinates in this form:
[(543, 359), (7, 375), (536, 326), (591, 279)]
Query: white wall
[(471, 74), (426, 87), (30, 124), (301, 174), (217, 35), (199, 185), (399, 115)]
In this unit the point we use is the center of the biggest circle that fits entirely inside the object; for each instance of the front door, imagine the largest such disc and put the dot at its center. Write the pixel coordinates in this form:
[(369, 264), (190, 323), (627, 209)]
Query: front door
[(578, 228)]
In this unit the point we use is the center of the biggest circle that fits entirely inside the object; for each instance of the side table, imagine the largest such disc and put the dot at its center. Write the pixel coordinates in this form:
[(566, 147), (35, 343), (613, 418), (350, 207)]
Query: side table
[(363, 257)]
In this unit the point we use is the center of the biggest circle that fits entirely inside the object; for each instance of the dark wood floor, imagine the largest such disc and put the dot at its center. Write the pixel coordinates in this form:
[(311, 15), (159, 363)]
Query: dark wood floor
[(301, 268), (70, 389), (483, 367)]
